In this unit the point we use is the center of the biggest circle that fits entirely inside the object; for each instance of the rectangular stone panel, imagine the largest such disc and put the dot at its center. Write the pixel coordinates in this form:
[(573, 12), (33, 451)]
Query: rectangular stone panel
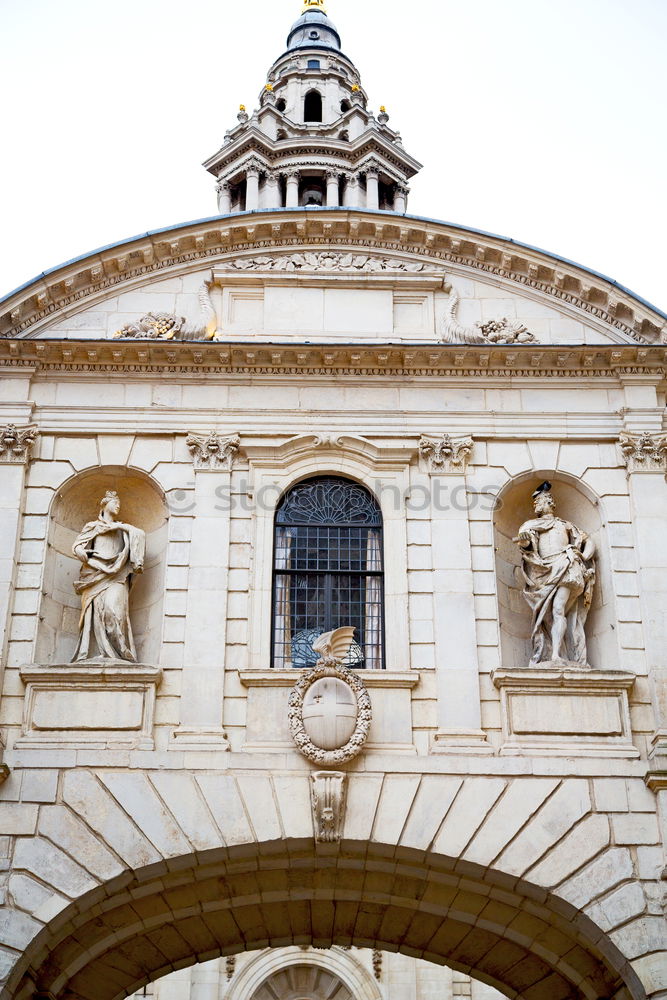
[(563, 714), (87, 710)]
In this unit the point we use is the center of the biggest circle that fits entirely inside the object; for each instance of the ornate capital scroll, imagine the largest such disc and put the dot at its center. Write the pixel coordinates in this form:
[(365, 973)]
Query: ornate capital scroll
[(214, 452), (446, 455), (16, 444), (644, 452)]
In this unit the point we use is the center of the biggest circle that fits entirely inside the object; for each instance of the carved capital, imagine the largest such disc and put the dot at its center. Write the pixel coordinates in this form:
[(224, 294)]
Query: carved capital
[(446, 455), (332, 175), (328, 792), (213, 453), (222, 187), (16, 444), (644, 452), (292, 175)]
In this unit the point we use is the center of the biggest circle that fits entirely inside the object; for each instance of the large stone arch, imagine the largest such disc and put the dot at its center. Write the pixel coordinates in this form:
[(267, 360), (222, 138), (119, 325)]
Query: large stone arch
[(143, 925), (515, 881)]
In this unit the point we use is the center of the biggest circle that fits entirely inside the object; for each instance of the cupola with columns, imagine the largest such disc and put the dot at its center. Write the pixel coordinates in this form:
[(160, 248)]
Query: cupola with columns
[(312, 142)]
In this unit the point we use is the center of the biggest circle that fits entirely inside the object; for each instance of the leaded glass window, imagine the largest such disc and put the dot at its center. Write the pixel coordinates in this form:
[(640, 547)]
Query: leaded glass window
[(328, 572)]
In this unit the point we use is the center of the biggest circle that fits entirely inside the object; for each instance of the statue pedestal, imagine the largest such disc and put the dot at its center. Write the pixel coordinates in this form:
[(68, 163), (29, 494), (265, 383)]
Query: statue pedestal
[(563, 709), (93, 704)]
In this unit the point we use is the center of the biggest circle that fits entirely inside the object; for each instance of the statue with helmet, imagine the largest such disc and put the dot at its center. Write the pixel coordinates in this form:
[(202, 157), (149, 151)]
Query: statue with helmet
[(558, 571)]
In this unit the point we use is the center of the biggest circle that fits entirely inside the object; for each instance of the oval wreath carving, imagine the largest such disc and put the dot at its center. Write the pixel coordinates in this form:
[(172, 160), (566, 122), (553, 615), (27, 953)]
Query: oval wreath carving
[(329, 758)]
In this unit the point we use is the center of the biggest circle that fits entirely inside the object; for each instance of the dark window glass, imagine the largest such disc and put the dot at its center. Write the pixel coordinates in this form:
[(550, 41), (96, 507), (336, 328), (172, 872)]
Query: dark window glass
[(328, 572), (313, 64)]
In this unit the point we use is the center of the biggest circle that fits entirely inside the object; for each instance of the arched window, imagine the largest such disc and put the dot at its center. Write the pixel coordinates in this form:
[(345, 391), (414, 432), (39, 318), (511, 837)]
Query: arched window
[(328, 572), (345, 106), (312, 107), (281, 104)]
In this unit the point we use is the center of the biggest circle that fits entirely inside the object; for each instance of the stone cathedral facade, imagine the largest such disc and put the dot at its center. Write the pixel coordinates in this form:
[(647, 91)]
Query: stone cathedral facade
[(333, 577)]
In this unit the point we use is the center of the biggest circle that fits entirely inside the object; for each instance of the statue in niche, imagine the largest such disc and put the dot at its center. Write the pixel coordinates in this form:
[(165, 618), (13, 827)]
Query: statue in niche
[(558, 572), (111, 552)]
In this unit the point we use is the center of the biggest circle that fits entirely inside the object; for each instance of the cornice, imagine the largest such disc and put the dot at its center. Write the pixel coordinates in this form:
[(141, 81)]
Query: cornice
[(31, 307), (257, 358), (276, 152)]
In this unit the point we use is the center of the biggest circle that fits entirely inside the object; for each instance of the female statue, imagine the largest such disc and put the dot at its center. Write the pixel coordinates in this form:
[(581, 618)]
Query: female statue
[(111, 552)]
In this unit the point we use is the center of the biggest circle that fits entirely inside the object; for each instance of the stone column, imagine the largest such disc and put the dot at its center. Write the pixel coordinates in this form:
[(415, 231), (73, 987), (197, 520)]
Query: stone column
[(16, 445), (401, 200), (352, 192), (372, 189), (202, 696), (272, 191), (252, 189), (224, 198), (332, 189), (292, 200), (457, 669)]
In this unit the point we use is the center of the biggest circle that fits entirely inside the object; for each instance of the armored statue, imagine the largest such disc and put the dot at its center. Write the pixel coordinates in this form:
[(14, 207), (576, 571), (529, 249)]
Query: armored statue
[(558, 572), (111, 553)]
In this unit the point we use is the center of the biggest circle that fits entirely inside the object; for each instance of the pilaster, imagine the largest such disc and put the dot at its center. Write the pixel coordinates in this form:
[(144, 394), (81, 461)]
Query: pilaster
[(457, 670), (202, 697), (16, 444)]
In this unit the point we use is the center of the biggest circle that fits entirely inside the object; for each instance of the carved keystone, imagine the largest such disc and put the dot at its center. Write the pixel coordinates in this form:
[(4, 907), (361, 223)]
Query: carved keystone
[(328, 798)]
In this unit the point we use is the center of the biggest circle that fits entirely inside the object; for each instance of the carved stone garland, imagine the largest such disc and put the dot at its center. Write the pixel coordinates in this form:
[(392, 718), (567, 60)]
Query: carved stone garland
[(329, 758)]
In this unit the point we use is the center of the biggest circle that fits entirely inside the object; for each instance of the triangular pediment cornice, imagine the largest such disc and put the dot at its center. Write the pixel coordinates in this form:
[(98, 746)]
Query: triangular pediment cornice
[(208, 242)]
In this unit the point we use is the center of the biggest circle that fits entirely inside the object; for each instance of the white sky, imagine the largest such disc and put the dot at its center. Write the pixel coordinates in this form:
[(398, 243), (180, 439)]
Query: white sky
[(542, 120)]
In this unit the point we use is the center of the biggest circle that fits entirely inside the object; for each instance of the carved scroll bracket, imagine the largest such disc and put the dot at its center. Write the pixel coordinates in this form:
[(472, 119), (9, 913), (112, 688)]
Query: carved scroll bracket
[(644, 452), (328, 792), (446, 455), (213, 453), (16, 444)]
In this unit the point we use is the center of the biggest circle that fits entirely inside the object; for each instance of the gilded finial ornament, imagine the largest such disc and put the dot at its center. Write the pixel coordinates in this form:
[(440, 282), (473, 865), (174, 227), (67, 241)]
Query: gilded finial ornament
[(307, 4)]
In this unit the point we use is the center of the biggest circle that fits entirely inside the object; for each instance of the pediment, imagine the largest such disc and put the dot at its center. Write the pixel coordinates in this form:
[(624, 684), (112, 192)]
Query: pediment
[(312, 275)]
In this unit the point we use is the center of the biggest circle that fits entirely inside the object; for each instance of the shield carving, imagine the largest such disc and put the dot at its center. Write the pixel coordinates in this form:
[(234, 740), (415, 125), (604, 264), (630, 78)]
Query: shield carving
[(330, 713)]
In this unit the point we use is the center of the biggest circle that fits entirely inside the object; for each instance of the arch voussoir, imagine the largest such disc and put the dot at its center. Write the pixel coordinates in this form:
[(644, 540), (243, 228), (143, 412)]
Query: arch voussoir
[(517, 940)]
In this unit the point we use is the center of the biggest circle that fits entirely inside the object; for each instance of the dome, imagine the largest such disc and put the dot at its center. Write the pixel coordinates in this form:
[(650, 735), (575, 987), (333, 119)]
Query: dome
[(313, 30)]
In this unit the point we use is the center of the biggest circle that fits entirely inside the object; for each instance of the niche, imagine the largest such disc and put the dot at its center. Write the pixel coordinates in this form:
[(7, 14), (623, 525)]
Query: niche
[(75, 504), (575, 503), (312, 107)]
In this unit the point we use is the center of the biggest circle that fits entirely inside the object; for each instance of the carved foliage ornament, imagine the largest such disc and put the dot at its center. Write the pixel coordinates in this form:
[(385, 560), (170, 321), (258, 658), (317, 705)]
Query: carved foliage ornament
[(16, 443), (446, 454), (644, 452), (213, 452), (331, 701), (327, 261)]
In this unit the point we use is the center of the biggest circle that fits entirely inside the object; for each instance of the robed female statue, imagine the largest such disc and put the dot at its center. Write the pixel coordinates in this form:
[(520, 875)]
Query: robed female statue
[(111, 553)]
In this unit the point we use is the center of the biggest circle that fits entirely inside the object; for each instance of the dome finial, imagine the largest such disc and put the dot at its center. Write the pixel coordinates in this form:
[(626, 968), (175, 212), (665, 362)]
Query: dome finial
[(308, 4)]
